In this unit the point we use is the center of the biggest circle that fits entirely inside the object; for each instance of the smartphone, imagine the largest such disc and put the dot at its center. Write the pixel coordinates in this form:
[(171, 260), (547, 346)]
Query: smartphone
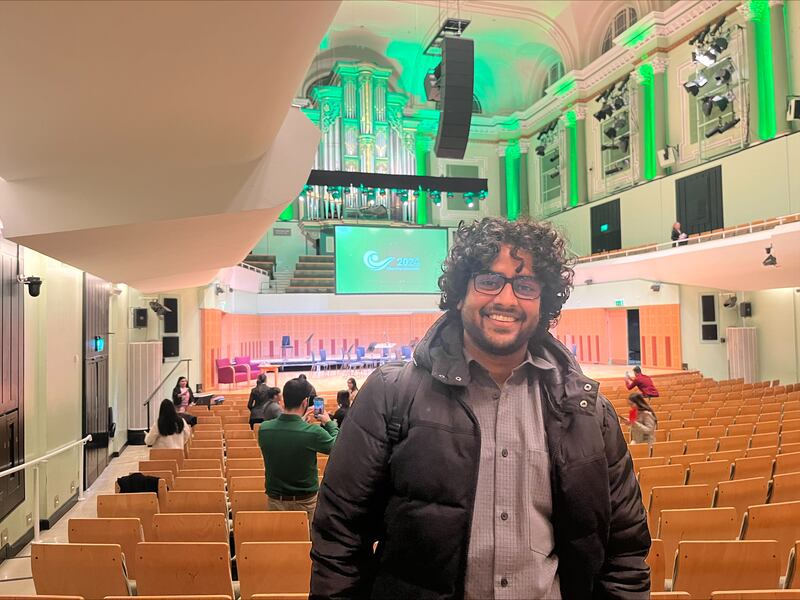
[(628, 374), (319, 406)]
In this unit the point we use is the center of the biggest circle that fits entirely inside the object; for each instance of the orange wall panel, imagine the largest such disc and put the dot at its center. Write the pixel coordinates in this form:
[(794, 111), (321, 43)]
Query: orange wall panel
[(660, 328)]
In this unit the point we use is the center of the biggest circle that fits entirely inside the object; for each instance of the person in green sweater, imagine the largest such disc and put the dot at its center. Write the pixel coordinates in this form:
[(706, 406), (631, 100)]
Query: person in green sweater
[(290, 444)]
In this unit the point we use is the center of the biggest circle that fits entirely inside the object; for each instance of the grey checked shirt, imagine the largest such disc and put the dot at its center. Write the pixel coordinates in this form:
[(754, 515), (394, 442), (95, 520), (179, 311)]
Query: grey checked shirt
[(511, 547)]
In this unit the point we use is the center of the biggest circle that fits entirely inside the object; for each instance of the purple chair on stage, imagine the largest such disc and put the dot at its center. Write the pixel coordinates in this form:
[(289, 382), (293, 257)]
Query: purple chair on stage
[(232, 374), (255, 369)]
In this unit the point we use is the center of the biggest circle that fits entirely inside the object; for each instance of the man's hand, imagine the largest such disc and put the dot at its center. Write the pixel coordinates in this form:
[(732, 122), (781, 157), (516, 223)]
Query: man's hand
[(324, 417), (309, 416)]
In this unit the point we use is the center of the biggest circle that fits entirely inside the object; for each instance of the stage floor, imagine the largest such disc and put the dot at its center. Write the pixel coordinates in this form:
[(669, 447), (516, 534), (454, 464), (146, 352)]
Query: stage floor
[(333, 380)]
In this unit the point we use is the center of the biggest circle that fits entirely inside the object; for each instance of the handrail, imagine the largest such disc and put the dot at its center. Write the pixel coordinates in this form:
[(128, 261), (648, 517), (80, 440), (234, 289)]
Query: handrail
[(163, 381), (34, 464), (258, 270)]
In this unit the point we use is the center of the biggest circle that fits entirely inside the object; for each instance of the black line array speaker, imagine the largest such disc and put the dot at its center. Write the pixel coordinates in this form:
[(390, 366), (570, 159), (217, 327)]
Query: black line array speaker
[(746, 309), (456, 86), (171, 317)]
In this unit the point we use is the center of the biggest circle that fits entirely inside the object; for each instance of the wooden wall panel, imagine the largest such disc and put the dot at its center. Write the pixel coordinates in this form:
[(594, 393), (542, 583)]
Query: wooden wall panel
[(259, 336), (585, 328), (617, 328), (657, 324)]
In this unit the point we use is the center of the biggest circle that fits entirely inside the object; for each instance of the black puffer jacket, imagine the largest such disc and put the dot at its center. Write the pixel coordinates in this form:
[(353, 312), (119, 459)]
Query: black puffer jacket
[(417, 498)]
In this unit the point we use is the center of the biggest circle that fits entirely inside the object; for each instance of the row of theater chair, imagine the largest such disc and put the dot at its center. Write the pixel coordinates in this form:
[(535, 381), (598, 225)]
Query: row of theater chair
[(95, 571), (778, 522), (783, 463), (705, 569), (716, 444), (717, 408)]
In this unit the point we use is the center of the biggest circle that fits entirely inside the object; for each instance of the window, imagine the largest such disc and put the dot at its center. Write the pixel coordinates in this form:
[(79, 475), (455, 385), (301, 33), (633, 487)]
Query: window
[(555, 73), (708, 318), (624, 19)]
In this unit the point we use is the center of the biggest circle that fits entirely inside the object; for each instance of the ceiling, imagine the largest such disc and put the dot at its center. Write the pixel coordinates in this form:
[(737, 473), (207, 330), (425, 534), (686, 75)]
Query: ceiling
[(516, 41), (136, 136), (728, 264)]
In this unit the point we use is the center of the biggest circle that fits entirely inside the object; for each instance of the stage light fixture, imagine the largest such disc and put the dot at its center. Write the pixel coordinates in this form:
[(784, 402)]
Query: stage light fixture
[(707, 58), (540, 150), (722, 127), (624, 142), (724, 76), (721, 102), (693, 86), (600, 115), (769, 260), (611, 132), (554, 158), (719, 45), (555, 174), (609, 147), (708, 105)]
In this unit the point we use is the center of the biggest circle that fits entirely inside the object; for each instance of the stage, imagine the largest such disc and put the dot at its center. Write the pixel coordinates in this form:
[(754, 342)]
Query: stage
[(329, 381)]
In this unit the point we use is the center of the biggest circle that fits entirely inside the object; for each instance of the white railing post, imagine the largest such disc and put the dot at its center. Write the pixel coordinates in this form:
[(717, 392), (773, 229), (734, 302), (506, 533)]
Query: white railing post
[(81, 458), (36, 536)]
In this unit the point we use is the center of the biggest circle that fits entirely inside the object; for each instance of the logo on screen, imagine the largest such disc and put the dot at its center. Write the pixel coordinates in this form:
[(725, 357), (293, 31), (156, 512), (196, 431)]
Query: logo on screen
[(390, 263)]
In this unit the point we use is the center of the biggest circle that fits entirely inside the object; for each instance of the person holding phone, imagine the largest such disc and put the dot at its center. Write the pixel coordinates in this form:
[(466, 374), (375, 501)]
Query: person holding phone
[(290, 445)]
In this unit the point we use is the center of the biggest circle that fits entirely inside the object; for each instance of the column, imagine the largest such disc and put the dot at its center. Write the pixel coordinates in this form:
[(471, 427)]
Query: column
[(423, 149), (792, 26), (380, 106), (350, 157), (366, 136), (647, 101), (780, 58), (762, 73), (575, 130), (524, 198), (512, 156)]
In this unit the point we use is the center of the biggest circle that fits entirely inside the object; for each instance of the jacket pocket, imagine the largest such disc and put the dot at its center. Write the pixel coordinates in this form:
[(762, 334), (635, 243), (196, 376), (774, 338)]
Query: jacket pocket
[(538, 502)]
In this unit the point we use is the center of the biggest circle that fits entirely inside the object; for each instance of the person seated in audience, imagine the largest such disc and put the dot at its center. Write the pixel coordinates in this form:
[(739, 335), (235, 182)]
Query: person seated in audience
[(678, 237), (352, 388), (290, 444), (643, 382), (642, 420), (343, 400), (170, 430), (182, 395), (264, 402)]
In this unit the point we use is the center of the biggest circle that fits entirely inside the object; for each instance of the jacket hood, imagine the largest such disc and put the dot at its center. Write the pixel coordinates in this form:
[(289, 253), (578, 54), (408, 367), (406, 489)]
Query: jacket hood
[(441, 352)]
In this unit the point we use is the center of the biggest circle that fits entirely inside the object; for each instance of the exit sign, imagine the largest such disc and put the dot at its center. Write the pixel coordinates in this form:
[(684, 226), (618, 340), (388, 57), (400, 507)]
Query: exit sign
[(603, 227), (619, 302)]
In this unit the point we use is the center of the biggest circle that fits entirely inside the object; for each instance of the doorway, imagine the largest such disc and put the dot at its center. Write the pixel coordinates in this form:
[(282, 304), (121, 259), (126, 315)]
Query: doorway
[(634, 341)]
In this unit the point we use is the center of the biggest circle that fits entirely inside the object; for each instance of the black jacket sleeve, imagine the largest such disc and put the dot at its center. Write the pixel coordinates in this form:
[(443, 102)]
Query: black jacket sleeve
[(251, 401), (351, 500), (624, 573)]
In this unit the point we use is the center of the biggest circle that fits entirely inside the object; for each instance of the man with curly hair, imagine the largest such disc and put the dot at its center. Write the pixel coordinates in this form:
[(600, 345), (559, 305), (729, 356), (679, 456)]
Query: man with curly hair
[(490, 466)]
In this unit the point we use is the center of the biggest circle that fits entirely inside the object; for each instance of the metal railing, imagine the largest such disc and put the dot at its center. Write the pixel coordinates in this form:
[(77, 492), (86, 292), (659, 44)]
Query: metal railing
[(34, 464), (709, 236), (258, 270), (163, 381)]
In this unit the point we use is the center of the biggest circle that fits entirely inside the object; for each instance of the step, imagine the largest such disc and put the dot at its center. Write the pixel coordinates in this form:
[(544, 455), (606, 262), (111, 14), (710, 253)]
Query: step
[(309, 290), (313, 273), (327, 258), (260, 258), (312, 282), (324, 267)]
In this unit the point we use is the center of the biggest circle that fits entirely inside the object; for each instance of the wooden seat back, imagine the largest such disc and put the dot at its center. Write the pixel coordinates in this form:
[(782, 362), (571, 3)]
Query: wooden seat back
[(183, 568), (755, 466), (253, 452), (709, 472), (695, 524), (196, 502), (655, 560), (199, 484), (780, 522), (705, 567), (140, 506), (190, 527), (248, 500), (159, 465), (270, 526), (167, 454), (649, 477), (245, 463), (677, 496), (741, 493), (91, 571), (125, 532), (256, 483), (274, 567)]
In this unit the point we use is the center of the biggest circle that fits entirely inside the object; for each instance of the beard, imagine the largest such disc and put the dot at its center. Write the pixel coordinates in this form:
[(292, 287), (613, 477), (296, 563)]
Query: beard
[(486, 342)]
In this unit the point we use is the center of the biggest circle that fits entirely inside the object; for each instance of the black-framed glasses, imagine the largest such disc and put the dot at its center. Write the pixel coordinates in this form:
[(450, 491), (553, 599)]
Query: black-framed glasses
[(525, 287)]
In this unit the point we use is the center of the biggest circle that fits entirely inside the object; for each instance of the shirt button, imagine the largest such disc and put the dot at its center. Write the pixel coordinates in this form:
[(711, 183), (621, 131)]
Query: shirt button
[(496, 395), (504, 516), (504, 582), (504, 452)]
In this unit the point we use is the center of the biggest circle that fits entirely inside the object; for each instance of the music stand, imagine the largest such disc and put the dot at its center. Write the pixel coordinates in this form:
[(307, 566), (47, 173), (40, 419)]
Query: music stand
[(286, 344)]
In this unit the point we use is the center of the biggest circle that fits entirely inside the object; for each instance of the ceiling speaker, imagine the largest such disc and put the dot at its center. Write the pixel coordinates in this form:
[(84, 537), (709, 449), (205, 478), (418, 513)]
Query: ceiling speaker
[(456, 88)]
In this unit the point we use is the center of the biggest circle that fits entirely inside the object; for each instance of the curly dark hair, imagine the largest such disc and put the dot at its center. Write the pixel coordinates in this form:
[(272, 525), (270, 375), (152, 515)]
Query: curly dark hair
[(477, 245)]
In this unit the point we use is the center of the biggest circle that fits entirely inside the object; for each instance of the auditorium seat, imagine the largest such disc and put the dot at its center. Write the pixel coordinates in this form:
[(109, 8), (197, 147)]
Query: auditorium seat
[(741, 493), (757, 466), (683, 434), (700, 524), (701, 445), (199, 484), (670, 596), (729, 455), (704, 567), (159, 465), (206, 435), (249, 443), (270, 526), (655, 560), (196, 502), (757, 595), (668, 448), (764, 439), (770, 451), (274, 567), (248, 500), (167, 476), (251, 452), (792, 576), (733, 442), (239, 434), (205, 453), (183, 568), (92, 571), (139, 506), (778, 521), (678, 496), (256, 483), (203, 463), (767, 427), (709, 472), (167, 454), (209, 420), (685, 460), (639, 450), (217, 443), (184, 597), (711, 431), (787, 463), (245, 463), (785, 488), (232, 473), (649, 477), (126, 532), (790, 437), (201, 472), (190, 527), (789, 448)]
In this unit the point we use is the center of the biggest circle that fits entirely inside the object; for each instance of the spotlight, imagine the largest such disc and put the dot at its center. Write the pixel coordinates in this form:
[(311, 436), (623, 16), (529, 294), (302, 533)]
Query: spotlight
[(693, 86), (769, 260), (34, 285), (719, 45), (624, 141), (619, 102), (730, 302), (722, 127), (708, 105), (555, 174), (599, 115), (611, 132), (554, 158), (724, 76), (540, 150), (609, 147), (706, 58), (721, 102)]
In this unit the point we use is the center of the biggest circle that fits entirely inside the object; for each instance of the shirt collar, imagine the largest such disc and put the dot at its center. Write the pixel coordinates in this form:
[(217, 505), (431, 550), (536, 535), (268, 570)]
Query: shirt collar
[(537, 362)]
